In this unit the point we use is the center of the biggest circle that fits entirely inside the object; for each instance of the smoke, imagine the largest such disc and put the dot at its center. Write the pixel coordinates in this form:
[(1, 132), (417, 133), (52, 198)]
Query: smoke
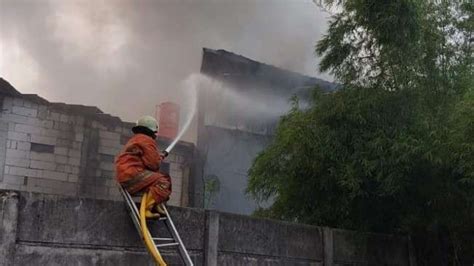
[(127, 56), (253, 103), (255, 109)]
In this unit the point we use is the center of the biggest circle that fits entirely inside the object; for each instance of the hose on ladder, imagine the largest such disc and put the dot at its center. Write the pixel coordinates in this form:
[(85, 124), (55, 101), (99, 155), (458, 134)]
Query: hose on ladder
[(150, 245)]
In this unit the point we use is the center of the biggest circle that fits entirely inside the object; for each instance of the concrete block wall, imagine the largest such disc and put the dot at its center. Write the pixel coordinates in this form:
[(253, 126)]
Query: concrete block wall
[(179, 170), (41, 154), (100, 232), (54, 150)]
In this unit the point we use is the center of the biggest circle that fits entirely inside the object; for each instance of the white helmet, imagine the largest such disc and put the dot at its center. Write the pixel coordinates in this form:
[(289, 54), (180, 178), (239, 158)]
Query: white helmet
[(148, 122)]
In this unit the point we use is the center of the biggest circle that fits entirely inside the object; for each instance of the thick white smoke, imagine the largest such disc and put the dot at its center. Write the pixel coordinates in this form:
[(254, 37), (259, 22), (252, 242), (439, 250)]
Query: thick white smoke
[(127, 56)]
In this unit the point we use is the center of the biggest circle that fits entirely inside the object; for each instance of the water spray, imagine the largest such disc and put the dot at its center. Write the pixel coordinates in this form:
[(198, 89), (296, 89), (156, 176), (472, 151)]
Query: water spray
[(190, 83)]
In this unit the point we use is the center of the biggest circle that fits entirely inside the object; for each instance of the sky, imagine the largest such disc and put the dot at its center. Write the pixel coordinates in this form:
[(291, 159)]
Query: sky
[(128, 56)]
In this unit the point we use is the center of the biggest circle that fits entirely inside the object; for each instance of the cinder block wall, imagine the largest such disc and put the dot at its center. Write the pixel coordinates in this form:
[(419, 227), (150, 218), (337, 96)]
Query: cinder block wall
[(70, 150)]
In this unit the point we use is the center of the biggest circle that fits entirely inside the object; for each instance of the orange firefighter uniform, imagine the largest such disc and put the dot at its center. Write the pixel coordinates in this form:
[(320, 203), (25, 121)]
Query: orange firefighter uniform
[(137, 169)]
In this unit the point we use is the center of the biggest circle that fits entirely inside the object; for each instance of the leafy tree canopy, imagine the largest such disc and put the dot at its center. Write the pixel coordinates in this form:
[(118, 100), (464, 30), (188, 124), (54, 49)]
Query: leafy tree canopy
[(393, 149)]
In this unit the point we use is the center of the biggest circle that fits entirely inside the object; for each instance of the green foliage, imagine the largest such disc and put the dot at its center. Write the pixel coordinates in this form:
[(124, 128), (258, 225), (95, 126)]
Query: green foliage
[(211, 188), (394, 149)]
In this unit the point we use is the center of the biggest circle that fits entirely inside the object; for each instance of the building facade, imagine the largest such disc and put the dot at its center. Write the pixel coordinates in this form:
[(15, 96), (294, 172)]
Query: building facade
[(238, 113), (66, 149)]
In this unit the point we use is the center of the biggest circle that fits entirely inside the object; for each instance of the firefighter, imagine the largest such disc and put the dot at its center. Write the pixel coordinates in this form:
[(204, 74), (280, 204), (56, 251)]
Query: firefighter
[(138, 165)]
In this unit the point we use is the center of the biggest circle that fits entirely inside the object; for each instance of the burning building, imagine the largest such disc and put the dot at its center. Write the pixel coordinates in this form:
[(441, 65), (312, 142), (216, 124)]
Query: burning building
[(237, 116), (69, 149)]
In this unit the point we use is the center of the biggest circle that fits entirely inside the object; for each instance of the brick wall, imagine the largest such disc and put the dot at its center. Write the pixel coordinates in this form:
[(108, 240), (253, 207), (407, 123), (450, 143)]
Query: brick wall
[(70, 150)]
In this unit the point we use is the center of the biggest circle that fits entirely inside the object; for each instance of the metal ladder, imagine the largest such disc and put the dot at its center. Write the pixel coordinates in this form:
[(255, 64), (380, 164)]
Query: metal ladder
[(163, 242)]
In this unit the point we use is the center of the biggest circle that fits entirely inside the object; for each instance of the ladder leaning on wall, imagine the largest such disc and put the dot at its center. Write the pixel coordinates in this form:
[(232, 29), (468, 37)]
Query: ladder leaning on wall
[(153, 243)]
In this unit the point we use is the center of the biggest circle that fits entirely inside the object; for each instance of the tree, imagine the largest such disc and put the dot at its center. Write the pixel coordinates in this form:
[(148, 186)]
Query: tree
[(211, 189), (393, 150)]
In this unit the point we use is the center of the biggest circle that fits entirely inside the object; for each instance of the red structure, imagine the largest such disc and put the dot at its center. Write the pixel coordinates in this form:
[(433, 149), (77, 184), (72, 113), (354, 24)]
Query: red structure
[(167, 114)]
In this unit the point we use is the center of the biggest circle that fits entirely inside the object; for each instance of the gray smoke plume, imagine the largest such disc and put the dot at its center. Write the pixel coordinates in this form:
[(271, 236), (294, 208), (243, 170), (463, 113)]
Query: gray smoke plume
[(127, 56)]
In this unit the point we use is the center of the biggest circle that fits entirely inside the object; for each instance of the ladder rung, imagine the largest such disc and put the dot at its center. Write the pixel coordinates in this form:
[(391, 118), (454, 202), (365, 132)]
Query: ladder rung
[(162, 239), (133, 206), (167, 245)]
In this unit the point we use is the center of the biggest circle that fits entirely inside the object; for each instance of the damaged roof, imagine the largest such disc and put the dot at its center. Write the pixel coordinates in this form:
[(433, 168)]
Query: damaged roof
[(228, 66)]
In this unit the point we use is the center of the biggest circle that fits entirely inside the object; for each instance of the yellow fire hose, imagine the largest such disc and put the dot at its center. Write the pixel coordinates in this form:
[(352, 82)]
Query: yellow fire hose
[(146, 234)]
